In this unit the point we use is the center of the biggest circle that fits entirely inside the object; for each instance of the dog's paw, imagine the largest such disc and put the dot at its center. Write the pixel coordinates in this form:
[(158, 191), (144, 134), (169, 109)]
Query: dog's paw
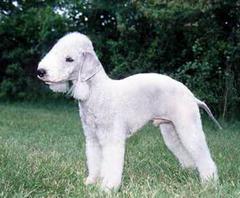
[(90, 180), (189, 166), (110, 186)]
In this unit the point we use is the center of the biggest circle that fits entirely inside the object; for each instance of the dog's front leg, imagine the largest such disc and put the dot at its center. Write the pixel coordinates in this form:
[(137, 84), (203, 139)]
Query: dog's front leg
[(94, 157), (113, 149)]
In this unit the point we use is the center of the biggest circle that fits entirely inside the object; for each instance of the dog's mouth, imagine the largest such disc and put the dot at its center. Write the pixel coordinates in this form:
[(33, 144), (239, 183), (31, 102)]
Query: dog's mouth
[(50, 82)]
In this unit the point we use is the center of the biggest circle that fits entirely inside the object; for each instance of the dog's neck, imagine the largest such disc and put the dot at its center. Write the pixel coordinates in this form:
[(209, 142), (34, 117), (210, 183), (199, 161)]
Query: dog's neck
[(98, 79)]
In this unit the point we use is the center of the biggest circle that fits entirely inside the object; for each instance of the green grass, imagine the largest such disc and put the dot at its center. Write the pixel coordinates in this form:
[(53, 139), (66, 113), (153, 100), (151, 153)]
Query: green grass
[(42, 155)]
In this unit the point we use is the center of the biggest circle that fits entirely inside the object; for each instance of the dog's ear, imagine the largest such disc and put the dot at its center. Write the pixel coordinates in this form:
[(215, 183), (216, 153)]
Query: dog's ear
[(80, 91), (91, 65)]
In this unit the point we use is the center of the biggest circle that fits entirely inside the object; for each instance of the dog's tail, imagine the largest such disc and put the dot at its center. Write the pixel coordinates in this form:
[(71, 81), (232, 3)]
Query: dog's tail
[(206, 108)]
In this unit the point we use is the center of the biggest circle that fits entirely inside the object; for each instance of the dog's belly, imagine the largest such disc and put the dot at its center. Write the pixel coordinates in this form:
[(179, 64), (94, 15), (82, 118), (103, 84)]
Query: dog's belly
[(141, 110), (137, 118), (134, 127)]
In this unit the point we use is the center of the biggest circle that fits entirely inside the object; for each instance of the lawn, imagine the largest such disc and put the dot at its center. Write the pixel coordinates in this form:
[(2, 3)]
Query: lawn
[(42, 155)]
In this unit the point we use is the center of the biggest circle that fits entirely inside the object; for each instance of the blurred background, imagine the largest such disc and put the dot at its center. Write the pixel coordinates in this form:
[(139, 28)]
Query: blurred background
[(194, 41)]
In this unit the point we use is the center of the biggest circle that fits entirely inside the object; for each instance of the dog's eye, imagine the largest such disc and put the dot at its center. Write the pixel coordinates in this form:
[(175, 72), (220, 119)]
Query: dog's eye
[(69, 59)]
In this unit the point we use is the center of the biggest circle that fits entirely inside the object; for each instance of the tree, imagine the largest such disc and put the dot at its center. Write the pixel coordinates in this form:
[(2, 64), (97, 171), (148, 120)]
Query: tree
[(196, 42)]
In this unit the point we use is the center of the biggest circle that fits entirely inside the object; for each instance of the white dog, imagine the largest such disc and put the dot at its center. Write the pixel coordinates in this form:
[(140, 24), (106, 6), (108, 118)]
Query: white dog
[(112, 110)]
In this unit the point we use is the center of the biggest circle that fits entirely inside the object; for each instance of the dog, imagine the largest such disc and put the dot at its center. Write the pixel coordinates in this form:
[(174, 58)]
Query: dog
[(112, 110)]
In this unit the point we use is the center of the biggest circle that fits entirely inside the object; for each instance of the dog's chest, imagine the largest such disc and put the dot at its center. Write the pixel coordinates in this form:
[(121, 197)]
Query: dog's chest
[(87, 116), (93, 116)]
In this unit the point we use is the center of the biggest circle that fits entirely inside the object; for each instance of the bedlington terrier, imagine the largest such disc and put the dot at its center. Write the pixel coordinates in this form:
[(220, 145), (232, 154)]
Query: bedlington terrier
[(112, 110)]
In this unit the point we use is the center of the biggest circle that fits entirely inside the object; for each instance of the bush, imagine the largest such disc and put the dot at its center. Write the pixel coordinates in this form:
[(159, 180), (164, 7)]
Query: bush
[(197, 42)]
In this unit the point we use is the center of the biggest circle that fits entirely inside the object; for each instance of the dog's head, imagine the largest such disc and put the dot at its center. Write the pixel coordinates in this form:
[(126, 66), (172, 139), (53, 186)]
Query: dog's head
[(72, 58)]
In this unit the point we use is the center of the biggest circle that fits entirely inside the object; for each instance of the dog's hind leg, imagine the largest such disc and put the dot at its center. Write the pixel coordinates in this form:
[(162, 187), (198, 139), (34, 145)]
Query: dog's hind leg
[(193, 139), (174, 144)]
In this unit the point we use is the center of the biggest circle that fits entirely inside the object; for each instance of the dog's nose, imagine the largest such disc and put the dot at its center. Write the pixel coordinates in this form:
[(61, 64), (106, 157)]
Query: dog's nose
[(41, 72)]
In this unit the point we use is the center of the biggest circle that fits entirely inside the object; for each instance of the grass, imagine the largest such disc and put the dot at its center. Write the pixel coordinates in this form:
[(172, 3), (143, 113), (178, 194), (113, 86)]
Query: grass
[(42, 155)]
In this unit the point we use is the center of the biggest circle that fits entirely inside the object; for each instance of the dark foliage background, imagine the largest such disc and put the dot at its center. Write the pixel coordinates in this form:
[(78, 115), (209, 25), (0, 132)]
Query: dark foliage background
[(196, 42)]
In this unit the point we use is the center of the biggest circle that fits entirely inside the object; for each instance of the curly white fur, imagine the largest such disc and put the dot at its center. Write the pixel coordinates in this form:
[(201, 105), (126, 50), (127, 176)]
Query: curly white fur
[(112, 110)]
